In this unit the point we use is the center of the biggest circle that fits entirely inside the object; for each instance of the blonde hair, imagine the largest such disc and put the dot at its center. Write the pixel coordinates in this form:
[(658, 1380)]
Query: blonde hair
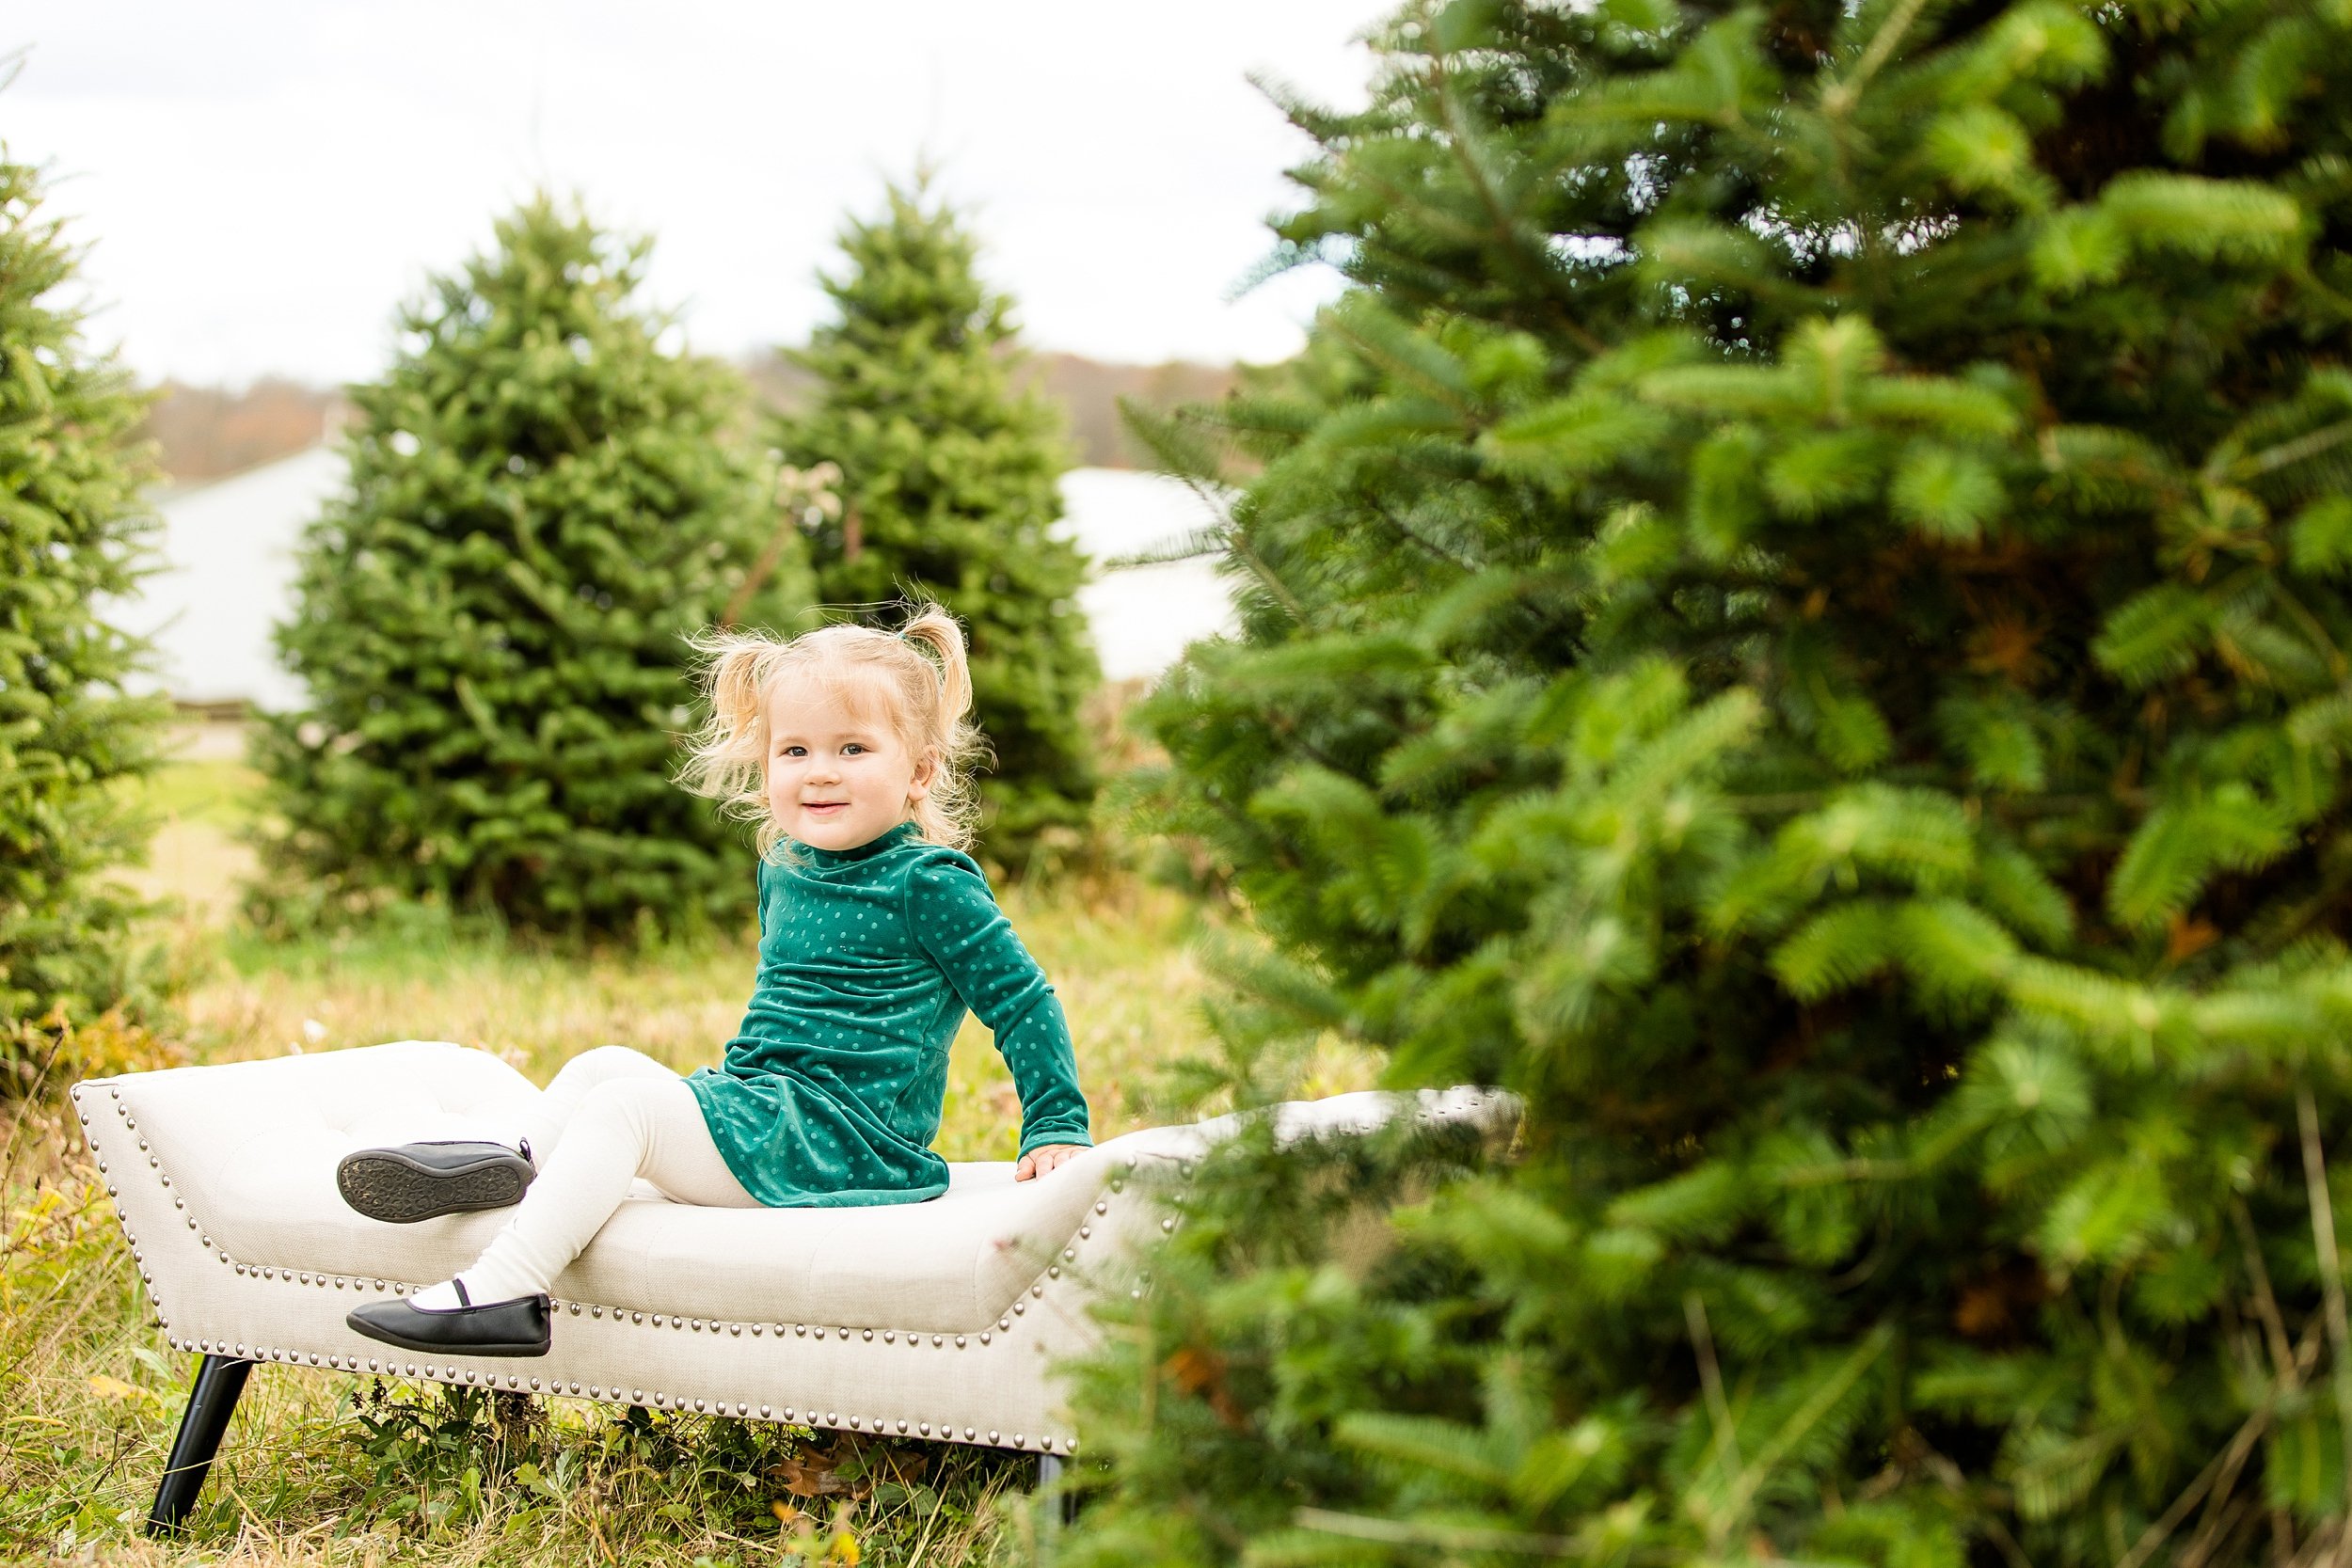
[(927, 704)]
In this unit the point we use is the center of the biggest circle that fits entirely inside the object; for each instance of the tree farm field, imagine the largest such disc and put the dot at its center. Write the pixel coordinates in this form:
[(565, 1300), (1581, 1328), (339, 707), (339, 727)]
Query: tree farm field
[(329, 1469)]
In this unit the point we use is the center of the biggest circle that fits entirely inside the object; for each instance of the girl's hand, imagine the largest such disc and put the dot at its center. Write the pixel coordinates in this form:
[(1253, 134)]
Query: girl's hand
[(1044, 1157)]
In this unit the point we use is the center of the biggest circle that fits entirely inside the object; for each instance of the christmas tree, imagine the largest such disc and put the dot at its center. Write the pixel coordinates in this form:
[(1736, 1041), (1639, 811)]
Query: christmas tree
[(947, 491), (73, 533), (545, 501), (1795, 617)]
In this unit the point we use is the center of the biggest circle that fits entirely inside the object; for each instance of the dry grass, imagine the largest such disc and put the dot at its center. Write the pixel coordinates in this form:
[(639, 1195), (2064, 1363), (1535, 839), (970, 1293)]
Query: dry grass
[(312, 1472)]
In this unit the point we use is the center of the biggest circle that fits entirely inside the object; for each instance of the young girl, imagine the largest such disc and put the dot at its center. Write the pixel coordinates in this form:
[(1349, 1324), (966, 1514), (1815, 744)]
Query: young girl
[(851, 749)]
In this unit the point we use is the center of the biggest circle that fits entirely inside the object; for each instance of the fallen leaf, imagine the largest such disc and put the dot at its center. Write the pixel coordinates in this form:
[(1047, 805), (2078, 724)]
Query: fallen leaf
[(115, 1389)]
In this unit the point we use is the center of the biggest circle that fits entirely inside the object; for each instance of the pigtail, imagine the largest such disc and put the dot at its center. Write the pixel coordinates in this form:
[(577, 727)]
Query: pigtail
[(727, 758), (946, 813)]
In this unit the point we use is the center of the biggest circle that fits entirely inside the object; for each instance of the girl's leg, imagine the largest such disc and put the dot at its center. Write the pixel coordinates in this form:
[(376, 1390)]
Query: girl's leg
[(544, 1127), (625, 1127)]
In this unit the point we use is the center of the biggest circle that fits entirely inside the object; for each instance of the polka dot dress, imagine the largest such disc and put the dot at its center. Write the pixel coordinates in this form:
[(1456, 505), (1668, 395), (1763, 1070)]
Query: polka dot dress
[(868, 958)]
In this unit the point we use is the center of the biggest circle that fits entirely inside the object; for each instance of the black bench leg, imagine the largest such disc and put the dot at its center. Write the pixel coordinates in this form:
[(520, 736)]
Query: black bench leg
[(219, 1382), (1064, 1510)]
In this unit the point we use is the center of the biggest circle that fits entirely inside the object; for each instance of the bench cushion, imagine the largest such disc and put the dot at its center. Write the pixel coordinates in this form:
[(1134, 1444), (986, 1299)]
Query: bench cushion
[(254, 1146)]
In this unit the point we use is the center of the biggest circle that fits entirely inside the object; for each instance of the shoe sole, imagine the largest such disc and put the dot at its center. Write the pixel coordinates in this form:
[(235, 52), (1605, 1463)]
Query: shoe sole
[(388, 1186), (429, 1347)]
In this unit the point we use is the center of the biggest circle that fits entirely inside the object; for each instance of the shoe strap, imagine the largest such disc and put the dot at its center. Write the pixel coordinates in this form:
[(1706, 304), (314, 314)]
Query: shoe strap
[(459, 1285)]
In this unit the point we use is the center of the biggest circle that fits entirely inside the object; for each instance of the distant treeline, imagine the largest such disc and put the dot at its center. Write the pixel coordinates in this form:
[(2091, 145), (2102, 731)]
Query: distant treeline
[(207, 432)]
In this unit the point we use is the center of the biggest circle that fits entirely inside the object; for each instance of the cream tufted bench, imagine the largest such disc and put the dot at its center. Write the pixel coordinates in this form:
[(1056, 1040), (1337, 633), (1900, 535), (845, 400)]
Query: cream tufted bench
[(935, 1320)]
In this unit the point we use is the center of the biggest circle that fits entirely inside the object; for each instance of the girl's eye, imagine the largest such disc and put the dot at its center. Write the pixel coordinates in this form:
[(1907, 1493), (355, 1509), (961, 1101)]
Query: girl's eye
[(853, 746), (792, 751)]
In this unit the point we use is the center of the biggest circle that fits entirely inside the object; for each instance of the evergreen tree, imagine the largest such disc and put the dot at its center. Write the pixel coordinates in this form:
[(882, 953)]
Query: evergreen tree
[(1797, 617), (949, 491), (543, 501), (73, 533)]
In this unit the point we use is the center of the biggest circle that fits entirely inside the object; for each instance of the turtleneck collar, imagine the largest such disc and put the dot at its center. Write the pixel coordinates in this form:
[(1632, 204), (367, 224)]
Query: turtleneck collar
[(890, 838)]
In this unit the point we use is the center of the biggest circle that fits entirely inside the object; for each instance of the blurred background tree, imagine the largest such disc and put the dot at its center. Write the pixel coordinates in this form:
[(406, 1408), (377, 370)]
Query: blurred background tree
[(73, 533), (545, 500), (948, 490), (1796, 618)]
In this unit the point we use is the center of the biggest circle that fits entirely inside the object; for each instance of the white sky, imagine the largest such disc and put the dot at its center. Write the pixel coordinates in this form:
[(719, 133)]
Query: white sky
[(261, 182)]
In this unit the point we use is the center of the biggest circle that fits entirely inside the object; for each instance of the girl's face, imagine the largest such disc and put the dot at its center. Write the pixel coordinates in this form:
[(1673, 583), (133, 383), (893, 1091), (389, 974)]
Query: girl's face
[(835, 781)]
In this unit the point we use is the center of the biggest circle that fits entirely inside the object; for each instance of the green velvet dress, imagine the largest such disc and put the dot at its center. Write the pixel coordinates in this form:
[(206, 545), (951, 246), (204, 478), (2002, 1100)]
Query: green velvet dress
[(869, 957)]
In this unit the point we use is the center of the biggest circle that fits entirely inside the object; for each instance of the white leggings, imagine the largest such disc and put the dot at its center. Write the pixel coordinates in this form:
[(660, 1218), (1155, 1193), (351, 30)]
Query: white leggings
[(612, 1115)]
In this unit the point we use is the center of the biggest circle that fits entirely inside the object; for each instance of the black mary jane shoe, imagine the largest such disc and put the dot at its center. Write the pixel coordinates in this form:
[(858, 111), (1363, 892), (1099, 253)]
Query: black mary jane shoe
[(518, 1327), (418, 1181)]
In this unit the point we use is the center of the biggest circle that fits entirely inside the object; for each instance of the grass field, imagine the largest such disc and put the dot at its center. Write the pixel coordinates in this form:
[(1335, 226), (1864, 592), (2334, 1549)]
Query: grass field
[(330, 1469)]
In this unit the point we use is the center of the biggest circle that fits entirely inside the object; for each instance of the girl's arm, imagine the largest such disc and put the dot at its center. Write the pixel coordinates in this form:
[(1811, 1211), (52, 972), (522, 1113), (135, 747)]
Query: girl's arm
[(955, 917)]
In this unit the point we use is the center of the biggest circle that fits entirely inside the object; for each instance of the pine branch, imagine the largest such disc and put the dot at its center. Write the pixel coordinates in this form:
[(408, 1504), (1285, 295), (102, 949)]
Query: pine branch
[(1839, 97), (1457, 1538), (2255, 464), (1506, 231)]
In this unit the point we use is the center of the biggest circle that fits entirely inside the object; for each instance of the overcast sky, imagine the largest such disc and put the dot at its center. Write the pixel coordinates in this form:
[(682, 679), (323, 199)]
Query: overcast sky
[(261, 182)]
